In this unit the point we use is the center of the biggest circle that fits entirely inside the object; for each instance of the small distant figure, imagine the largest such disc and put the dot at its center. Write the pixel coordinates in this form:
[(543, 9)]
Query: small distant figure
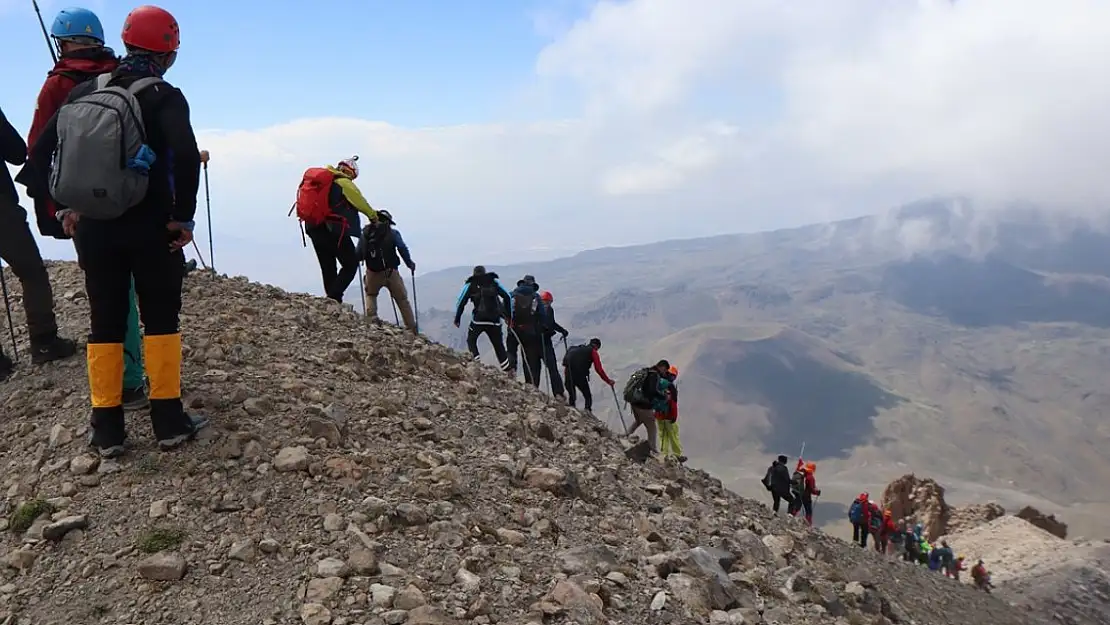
[(859, 513), (667, 420), (980, 577), (804, 487)]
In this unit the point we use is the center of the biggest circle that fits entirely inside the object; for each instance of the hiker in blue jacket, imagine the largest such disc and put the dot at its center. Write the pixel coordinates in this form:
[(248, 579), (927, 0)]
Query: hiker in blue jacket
[(491, 305), (526, 322)]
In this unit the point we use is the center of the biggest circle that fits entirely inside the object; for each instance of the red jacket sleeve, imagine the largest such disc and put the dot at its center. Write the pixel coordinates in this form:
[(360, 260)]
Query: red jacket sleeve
[(51, 97), (600, 370), (811, 483)]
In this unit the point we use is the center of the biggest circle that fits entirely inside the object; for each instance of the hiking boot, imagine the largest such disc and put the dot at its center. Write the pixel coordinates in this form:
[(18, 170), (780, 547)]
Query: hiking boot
[(51, 349), (681, 459), (186, 431), (6, 367), (107, 433), (135, 399)]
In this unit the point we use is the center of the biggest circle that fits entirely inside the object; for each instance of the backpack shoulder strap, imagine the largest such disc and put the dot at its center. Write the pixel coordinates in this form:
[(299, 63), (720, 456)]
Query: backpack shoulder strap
[(143, 83), (102, 80)]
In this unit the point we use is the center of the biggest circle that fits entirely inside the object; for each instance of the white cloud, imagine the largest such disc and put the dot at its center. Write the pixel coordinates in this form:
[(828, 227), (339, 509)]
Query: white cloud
[(738, 114)]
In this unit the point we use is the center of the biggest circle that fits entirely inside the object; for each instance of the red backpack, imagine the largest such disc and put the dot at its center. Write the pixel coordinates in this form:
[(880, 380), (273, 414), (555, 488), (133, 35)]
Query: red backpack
[(312, 196)]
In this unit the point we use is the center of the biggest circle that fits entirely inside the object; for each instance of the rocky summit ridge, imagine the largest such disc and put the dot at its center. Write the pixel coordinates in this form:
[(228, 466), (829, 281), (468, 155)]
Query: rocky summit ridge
[(355, 475)]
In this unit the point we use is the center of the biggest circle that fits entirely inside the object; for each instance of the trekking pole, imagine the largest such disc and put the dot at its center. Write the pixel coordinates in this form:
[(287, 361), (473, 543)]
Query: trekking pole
[(8, 307), (46, 35), (546, 378), (524, 360), (396, 317), (199, 255), (619, 410), (362, 289), (415, 305), (208, 204)]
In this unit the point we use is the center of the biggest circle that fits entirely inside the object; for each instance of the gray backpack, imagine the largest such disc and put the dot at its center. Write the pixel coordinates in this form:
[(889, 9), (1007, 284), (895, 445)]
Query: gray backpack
[(97, 135)]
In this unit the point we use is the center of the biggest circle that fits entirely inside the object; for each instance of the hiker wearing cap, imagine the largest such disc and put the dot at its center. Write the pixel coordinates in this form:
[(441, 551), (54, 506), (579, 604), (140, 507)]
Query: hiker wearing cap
[(667, 420), (329, 203), (576, 370), (491, 304), (382, 248), (645, 392), (527, 317), (551, 328), (777, 481), (136, 231)]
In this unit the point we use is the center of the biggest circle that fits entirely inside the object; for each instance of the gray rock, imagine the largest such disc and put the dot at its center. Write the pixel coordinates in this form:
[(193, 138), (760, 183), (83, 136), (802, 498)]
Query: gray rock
[(163, 567)]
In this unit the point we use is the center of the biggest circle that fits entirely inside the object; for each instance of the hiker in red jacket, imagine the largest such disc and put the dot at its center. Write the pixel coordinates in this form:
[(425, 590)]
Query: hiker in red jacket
[(83, 55), (888, 528), (804, 486)]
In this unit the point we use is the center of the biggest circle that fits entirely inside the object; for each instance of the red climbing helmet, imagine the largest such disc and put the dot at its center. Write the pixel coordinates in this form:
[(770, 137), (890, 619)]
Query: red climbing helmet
[(151, 28), (547, 297)]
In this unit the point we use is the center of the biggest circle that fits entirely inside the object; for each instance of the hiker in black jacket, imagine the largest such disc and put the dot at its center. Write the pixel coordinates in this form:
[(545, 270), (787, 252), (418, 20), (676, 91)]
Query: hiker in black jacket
[(19, 249), (551, 328), (491, 304), (777, 481)]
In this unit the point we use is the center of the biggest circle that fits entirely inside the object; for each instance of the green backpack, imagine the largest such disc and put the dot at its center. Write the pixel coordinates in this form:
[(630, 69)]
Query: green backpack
[(634, 388)]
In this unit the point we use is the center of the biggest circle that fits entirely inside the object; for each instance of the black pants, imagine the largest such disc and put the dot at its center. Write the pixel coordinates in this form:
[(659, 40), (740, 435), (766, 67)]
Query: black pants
[(579, 381), (19, 249), (779, 496), (552, 365), (111, 253), (860, 534), (334, 246), (493, 332), (532, 346), (801, 500)]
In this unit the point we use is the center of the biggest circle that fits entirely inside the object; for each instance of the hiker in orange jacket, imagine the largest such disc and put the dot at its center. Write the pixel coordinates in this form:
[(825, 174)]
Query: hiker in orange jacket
[(804, 486)]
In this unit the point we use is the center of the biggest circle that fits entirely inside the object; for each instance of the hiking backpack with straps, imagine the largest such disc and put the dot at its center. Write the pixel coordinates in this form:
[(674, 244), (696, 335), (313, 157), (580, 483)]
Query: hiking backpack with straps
[(798, 481), (525, 307), (487, 301), (312, 196), (876, 520), (855, 512), (375, 237), (634, 387), (101, 138)]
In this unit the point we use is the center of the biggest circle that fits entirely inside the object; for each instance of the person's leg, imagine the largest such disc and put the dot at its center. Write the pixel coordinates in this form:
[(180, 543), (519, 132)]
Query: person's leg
[(533, 351), (134, 391), (498, 342), (512, 346), (676, 442), (158, 276), (375, 280), (396, 286), (348, 263), (472, 334), (107, 282), (324, 244), (552, 365), (807, 503), (572, 392), (19, 249), (583, 384), (776, 499)]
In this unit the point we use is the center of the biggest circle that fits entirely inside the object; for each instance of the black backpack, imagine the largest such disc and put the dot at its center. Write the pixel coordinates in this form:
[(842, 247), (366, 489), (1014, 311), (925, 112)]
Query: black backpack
[(487, 301), (374, 252), (798, 481), (525, 308)]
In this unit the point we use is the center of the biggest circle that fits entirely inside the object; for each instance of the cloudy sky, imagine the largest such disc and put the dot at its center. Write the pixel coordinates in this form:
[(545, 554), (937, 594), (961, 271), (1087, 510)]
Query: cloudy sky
[(514, 130)]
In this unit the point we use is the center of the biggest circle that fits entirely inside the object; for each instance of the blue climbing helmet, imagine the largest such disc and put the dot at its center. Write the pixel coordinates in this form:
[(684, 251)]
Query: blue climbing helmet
[(76, 23)]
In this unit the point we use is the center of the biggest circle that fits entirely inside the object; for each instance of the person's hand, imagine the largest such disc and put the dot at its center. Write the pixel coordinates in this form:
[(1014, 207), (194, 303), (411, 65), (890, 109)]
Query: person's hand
[(204, 156), (412, 266), (612, 383), (184, 235), (456, 324), (564, 333), (69, 222)]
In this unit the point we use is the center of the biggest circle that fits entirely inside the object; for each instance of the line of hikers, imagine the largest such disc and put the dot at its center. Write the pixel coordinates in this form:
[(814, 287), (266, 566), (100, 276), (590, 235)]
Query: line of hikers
[(529, 317), (125, 190), (797, 489), (869, 519)]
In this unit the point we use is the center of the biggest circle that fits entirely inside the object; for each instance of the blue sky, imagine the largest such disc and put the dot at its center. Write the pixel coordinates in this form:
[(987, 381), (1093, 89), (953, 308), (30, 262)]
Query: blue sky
[(500, 131), (418, 63)]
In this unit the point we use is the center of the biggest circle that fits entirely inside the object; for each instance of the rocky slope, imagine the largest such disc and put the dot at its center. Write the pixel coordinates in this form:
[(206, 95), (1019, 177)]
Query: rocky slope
[(356, 476), (1058, 580)]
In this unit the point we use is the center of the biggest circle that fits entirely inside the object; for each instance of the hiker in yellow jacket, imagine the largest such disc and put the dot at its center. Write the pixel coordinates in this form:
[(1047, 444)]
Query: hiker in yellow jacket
[(328, 202)]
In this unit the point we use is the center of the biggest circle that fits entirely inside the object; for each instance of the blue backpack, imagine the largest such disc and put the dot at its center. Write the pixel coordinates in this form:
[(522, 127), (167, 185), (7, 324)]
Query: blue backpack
[(855, 512)]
